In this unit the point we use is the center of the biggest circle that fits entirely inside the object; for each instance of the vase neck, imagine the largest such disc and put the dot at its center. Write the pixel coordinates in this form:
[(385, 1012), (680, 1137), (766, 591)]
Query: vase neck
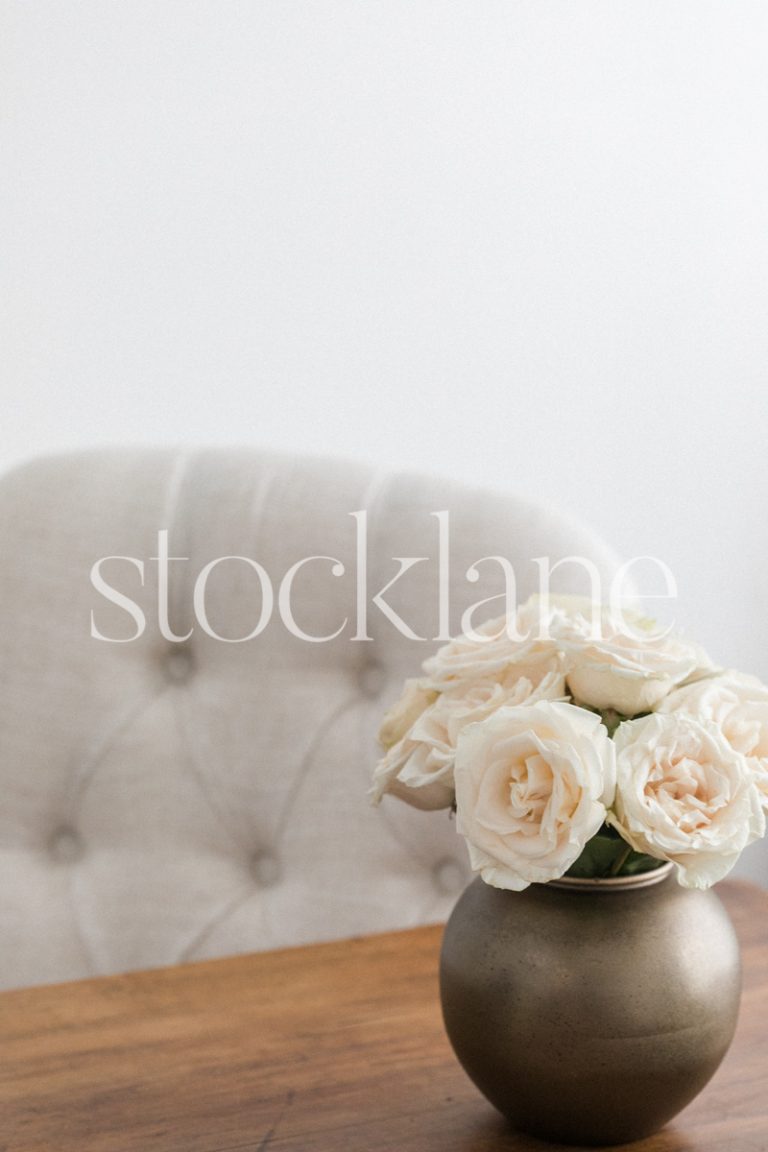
[(613, 883)]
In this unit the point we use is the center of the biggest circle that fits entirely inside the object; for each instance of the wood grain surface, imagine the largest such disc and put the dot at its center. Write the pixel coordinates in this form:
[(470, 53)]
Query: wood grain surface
[(334, 1048)]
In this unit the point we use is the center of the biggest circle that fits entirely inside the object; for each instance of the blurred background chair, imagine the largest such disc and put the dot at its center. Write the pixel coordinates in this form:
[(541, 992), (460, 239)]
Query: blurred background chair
[(166, 801)]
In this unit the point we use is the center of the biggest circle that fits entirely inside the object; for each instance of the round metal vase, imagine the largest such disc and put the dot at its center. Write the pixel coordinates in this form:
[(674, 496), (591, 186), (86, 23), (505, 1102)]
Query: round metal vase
[(590, 1012)]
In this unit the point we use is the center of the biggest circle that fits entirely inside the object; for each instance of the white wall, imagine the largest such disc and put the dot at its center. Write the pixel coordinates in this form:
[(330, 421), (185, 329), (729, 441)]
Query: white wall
[(524, 242)]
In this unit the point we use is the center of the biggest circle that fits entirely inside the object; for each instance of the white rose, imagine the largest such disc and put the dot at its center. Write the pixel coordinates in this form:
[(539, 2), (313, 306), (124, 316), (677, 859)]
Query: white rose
[(507, 642), (626, 665), (404, 712), (532, 787), (419, 768), (738, 705), (683, 794), (562, 617), (425, 764), (479, 698)]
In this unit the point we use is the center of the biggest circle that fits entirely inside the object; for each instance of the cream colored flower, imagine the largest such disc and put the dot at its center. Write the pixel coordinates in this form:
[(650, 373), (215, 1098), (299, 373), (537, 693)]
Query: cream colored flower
[(419, 768), (514, 641), (430, 783), (532, 787), (738, 705), (612, 661), (684, 794), (628, 666), (404, 712)]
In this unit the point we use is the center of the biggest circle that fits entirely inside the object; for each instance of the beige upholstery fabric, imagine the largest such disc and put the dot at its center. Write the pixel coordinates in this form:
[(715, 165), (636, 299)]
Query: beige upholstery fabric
[(165, 802)]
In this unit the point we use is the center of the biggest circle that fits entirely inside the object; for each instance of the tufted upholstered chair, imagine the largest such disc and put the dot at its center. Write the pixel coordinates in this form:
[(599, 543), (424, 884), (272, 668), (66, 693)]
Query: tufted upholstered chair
[(164, 801)]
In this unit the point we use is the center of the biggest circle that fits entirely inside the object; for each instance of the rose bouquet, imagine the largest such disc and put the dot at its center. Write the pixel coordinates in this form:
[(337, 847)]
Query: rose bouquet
[(570, 739)]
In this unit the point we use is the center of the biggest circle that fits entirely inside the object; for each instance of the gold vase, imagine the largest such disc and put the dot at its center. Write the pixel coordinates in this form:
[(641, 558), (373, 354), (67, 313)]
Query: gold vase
[(590, 1012)]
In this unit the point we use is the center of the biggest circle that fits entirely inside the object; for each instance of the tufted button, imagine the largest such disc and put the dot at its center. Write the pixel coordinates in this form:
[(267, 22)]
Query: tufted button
[(448, 876), (265, 869), (65, 845), (178, 664), (371, 678)]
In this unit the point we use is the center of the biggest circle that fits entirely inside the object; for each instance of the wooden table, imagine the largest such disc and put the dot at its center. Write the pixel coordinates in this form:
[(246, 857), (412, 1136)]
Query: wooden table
[(334, 1048)]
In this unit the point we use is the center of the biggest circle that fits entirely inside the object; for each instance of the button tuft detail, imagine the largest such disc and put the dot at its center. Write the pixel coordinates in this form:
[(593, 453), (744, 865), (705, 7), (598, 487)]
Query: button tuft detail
[(372, 677), (179, 665), (265, 869), (65, 845)]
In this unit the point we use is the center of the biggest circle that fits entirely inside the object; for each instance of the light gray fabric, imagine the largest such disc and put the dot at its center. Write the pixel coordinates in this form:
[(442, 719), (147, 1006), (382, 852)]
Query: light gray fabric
[(162, 803)]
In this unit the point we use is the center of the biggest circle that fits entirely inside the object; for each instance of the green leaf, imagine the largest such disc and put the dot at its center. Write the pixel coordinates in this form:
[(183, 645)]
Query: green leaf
[(608, 854)]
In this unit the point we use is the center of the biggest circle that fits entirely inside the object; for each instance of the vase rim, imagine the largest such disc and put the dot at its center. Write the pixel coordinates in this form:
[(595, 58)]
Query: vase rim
[(614, 883)]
